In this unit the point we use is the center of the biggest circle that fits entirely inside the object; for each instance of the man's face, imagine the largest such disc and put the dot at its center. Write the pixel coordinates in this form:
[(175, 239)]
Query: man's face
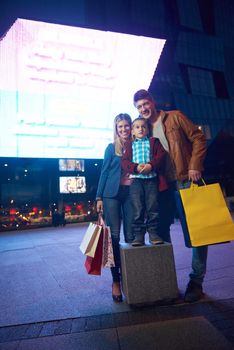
[(145, 107)]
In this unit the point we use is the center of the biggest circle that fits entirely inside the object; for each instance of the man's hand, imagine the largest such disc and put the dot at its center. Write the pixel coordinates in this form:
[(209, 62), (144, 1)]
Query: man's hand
[(194, 175), (100, 206)]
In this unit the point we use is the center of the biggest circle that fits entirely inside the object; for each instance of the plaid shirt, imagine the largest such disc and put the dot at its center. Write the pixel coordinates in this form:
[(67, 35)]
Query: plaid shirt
[(141, 154)]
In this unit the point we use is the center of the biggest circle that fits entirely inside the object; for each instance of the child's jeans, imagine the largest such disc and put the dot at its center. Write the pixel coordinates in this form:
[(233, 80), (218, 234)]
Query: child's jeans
[(144, 198)]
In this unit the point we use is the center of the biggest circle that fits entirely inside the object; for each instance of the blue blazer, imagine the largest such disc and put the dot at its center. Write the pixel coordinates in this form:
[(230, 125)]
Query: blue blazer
[(109, 180)]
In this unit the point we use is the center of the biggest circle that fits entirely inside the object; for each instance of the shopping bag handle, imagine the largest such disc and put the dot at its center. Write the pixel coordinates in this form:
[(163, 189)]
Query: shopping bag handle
[(195, 185), (100, 219)]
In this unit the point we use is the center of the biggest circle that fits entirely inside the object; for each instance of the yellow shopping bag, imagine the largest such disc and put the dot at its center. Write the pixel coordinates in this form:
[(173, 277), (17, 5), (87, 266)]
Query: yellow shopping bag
[(208, 218)]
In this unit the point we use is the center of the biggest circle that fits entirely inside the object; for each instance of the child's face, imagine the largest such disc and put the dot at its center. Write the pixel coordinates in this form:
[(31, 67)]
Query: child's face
[(139, 129)]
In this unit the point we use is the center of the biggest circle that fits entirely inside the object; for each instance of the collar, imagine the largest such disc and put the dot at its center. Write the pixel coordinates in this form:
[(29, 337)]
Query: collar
[(141, 140)]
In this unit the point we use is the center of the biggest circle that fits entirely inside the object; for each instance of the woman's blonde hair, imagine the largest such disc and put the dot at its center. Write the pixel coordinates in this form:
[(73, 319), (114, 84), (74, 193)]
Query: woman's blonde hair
[(118, 143)]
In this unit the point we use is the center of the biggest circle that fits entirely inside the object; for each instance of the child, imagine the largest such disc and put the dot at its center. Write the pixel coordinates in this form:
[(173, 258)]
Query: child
[(144, 158)]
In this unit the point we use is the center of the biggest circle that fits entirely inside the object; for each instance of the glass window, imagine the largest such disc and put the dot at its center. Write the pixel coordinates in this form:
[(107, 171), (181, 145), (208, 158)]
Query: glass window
[(200, 50), (201, 82), (189, 14)]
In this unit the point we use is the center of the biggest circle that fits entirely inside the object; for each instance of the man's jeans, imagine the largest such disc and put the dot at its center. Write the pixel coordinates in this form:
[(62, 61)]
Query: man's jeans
[(143, 193), (117, 209), (166, 212), (199, 254)]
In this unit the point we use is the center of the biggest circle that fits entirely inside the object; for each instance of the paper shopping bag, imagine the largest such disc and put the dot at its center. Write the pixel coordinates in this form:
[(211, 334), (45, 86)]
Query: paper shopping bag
[(208, 218), (108, 256), (89, 242), (94, 265)]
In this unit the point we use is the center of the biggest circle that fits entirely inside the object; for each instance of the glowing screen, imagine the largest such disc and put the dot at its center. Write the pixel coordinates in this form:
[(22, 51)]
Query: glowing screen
[(71, 165), (72, 184), (62, 86)]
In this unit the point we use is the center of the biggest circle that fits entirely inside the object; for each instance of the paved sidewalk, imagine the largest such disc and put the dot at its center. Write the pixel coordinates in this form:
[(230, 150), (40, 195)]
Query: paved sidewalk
[(47, 301)]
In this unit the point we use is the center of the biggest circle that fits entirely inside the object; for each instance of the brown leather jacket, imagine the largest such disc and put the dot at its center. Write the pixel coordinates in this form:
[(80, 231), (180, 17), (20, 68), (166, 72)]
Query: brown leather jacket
[(187, 143)]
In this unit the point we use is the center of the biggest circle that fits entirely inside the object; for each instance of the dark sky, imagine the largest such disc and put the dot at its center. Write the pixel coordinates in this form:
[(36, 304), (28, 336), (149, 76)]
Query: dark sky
[(56, 11)]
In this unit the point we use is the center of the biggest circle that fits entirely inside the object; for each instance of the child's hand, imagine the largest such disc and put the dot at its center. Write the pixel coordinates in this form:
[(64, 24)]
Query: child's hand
[(146, 169), (140, 167)]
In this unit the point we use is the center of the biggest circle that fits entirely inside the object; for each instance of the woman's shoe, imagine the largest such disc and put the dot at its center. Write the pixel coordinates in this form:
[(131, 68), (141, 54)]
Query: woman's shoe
[(118, 298)]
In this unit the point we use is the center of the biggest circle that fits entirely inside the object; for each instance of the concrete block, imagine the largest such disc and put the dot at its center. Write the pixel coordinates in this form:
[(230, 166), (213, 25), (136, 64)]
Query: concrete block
[(148, 273)]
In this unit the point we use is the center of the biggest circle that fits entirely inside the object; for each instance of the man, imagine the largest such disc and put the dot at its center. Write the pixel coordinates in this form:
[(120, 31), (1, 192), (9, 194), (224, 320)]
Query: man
[(186, 147)]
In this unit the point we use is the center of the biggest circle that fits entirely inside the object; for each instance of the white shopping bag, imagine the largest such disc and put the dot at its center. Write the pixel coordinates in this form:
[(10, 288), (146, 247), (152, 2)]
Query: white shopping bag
[(89, 242)]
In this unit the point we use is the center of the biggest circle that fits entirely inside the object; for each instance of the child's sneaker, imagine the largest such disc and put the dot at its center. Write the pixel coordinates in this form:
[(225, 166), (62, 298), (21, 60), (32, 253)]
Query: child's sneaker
[(155, 239), (138, 241)]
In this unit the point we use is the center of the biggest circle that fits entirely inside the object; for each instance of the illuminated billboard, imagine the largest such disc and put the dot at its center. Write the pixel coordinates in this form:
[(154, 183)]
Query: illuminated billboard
[(62, 86)]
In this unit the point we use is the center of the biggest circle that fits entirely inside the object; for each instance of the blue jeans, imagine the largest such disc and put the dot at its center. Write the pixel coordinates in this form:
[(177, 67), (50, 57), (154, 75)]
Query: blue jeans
[(167, 212), (116, 210), (143, 193), (199, 257)]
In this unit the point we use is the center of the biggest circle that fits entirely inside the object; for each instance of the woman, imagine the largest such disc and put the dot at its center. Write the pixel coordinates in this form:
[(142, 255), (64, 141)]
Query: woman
[(113, 195)]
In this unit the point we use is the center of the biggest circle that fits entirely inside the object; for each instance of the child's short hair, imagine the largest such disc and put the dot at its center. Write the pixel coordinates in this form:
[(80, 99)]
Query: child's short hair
[(140, 118)]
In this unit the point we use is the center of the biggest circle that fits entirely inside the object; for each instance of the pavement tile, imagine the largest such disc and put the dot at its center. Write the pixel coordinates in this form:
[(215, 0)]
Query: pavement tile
[(33, 331), (12, 333), (48, 329), (4, 333), (218, 316), (121, 319), (137, 316), (224, 324), (63, 327), (78, 325), (92, 323), (10, 346), (107, 321), (186, 334), (229, 334), (225, 305), (94, 340)]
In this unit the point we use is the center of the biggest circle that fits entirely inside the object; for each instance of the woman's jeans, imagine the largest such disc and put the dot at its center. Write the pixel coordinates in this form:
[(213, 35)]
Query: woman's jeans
[(166, 214), (117, 209)]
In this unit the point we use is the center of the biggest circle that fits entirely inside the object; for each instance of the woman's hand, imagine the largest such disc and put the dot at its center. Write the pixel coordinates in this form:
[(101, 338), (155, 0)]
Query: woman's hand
[(100, 206)]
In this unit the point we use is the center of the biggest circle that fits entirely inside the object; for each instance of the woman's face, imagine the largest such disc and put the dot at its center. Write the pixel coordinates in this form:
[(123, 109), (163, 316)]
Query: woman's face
[(123, 129)]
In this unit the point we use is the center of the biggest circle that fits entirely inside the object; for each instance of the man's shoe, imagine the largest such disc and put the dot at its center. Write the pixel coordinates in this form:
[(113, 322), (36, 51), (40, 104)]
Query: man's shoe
[(193, 292)]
